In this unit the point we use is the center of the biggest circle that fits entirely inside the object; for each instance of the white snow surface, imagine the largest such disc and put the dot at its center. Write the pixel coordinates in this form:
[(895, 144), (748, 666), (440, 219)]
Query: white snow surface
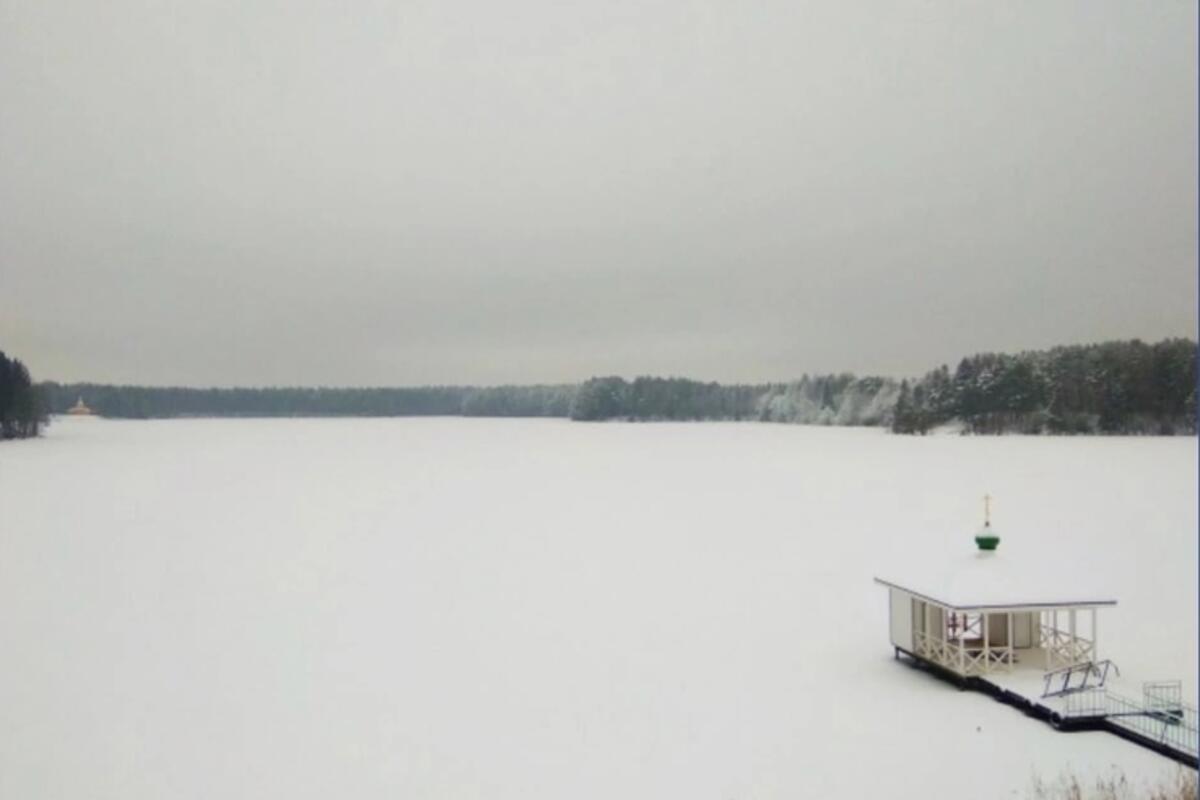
[(469, 608)]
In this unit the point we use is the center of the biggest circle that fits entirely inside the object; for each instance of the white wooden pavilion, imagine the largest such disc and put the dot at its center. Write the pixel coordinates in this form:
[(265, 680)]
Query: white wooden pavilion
[(982, 613), (976, 633), (1024, 630)]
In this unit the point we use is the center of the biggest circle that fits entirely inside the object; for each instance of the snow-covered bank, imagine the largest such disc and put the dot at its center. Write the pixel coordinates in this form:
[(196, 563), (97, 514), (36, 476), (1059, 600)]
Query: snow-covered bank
[(492, 608)]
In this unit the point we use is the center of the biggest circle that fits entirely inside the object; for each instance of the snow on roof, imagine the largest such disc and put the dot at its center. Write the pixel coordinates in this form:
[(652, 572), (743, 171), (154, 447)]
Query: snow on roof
[(1000, 579)]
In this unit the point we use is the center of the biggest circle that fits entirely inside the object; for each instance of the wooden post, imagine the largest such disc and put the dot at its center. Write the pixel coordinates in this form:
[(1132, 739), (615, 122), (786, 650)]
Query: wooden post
[(937, 637), (1011, 633), (1074, 651), (1054, 638), (987, 651), (962, 652), (1043, 638), (1095, 639), (925, 637)]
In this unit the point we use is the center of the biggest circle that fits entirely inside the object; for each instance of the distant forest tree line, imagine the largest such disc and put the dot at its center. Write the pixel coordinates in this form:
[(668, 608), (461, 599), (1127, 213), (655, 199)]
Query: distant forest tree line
[(812, 400), (146, 402), (22, 405), (1113, 387)]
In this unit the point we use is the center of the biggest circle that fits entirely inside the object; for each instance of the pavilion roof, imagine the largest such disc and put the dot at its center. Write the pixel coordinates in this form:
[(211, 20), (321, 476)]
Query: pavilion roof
[(977, 580)]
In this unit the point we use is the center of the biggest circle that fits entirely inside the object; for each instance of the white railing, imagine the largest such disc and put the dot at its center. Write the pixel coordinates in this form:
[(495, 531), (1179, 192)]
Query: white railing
[(1065, 649), (935, 649), (973, 659)]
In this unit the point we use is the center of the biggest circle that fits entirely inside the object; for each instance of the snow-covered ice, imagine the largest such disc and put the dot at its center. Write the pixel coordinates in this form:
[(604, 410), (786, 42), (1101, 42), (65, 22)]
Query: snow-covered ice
[(466, 608)]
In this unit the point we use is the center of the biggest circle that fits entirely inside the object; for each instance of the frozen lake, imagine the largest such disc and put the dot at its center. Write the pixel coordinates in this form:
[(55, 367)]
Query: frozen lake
[(467, 608)]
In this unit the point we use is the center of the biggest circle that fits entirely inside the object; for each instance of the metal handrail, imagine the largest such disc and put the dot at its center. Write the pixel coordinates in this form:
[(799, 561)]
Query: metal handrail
[(1176, 728), (1173, 723), (1088, 669)]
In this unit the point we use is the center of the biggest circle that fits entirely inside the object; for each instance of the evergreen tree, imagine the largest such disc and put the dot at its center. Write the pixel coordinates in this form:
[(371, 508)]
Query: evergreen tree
[(902, 415), (22, 407)]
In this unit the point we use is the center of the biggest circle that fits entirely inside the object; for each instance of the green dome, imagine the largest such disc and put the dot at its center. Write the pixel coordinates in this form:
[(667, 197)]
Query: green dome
[(987, 539)]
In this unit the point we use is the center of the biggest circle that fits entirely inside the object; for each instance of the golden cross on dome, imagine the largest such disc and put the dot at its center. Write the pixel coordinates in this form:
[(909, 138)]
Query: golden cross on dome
[(987, 511)]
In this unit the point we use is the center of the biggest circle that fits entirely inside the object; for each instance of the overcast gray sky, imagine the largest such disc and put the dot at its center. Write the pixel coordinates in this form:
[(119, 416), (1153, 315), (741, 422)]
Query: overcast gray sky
[(390, 193)]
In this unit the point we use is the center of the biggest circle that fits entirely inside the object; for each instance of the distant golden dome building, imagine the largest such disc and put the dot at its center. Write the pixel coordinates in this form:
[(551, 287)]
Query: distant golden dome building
[(80, 409)]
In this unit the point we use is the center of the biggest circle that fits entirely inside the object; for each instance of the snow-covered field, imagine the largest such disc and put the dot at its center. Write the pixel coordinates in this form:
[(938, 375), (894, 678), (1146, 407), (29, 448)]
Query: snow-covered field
[(454, 608)]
